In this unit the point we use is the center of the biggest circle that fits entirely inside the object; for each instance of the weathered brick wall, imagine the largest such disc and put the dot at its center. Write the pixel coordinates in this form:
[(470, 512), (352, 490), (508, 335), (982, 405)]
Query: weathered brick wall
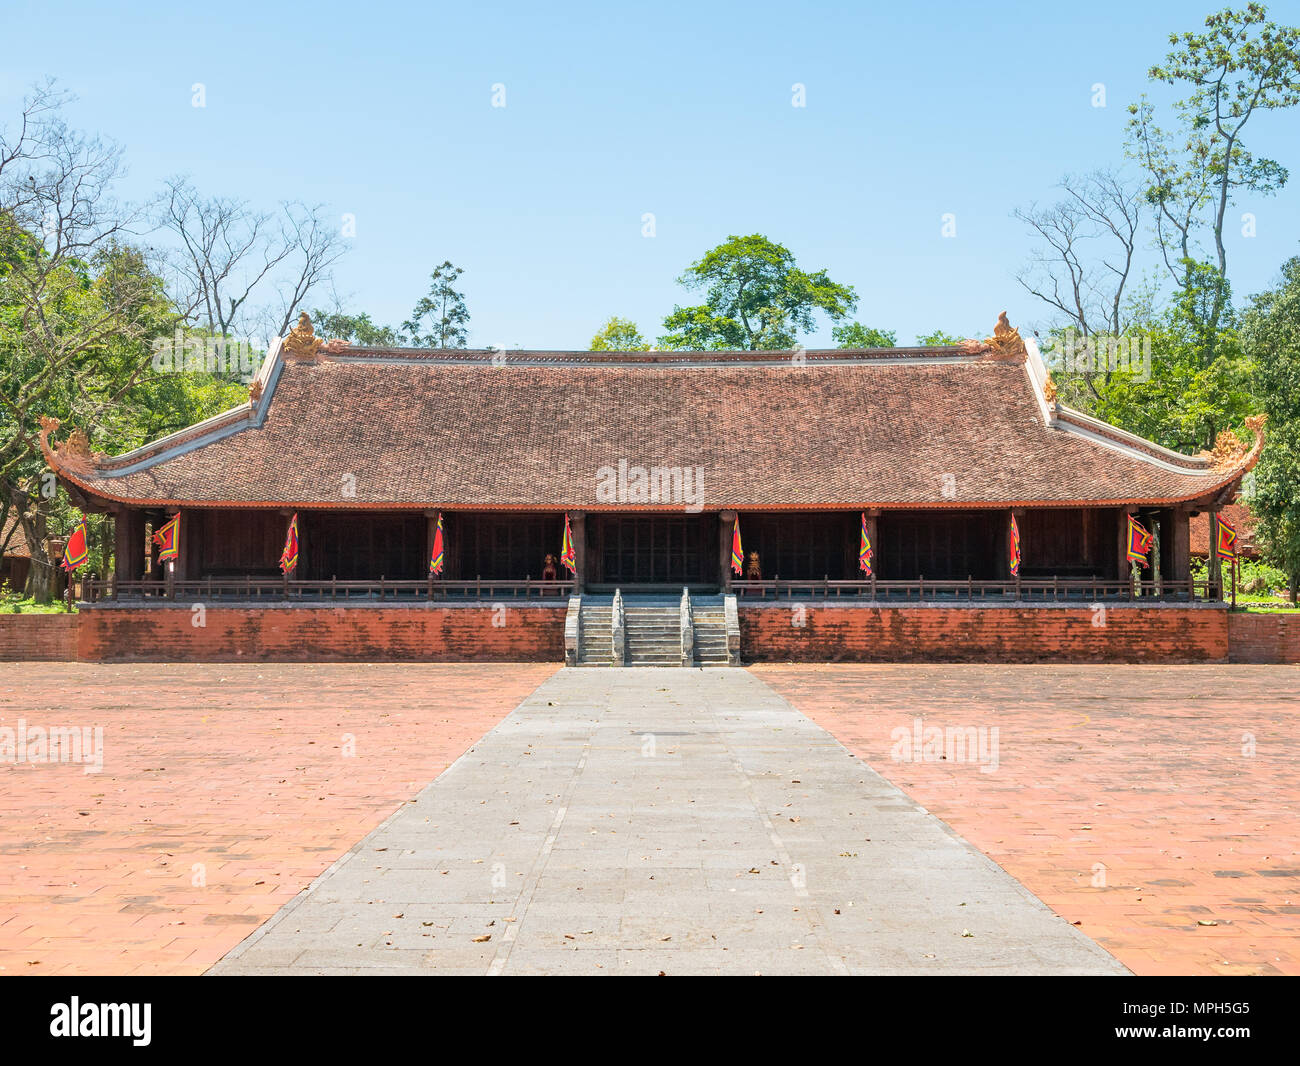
[(27, 637), (324, 634), (1264, 638), (536, 634), (983, 634)]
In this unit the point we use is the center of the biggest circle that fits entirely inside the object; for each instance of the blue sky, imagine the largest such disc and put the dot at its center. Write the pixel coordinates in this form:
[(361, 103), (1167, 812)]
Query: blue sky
[(683, 110)]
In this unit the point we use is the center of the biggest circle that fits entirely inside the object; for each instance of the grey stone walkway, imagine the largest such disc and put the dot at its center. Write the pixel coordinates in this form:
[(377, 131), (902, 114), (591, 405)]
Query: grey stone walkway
[(648, 821)]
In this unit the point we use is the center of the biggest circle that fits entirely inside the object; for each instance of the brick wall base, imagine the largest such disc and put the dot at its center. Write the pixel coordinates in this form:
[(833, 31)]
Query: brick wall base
[(536, 634), (983, 634), (1264, 638), (323, 634), (30, 637)]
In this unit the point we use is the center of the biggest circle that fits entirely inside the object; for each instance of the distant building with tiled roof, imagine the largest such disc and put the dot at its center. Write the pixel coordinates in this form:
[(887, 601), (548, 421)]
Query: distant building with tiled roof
[(1243, 521), (15, 558)]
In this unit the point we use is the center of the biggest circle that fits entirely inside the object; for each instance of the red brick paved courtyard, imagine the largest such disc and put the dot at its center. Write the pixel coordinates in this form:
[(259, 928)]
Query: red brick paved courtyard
[(1134, 777), (1124, 797), (225, 790)]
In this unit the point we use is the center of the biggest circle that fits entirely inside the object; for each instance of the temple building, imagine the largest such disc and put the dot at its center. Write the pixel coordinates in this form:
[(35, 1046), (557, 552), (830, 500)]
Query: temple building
[(956, 465)]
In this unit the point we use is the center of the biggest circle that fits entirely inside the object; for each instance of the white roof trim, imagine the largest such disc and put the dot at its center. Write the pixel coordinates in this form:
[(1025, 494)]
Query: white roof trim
[(218, 427), (1132, 452)]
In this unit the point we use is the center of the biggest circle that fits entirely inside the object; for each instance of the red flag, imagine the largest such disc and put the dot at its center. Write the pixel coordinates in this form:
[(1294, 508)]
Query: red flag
[(1225, 541), (1140, 542), (289, 557), (737, 552), (77, 550), (168, 539), (435, 556), (1015, 548), (864, 548), (568, 556)]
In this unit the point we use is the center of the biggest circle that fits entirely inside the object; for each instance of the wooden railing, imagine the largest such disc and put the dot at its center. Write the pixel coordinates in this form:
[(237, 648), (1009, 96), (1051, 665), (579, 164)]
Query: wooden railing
[(278, 590), (1018, 590)]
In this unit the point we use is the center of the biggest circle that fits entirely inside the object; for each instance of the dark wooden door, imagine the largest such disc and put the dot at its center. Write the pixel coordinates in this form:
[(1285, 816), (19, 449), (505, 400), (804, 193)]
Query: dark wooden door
[(653, 549)]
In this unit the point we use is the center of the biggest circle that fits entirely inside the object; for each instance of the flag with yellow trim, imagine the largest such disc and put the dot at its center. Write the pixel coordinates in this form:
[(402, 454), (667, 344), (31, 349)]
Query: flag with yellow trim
[(168, 539), (568, 555), (289, 557), (77, 550), (1015, 547), (737, 552), (1225, 539), (436, 555), (864, 548), (1140, 542)]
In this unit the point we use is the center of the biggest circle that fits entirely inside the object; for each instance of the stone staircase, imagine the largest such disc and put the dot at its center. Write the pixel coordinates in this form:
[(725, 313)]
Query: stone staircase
[(653, 636), (651, 631), (710, 634), (595, 640)]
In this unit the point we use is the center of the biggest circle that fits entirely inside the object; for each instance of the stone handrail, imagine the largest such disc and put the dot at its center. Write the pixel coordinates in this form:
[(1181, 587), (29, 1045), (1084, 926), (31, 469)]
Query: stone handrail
[(617, 625), (732, 616), (572, 631), (688, 629)]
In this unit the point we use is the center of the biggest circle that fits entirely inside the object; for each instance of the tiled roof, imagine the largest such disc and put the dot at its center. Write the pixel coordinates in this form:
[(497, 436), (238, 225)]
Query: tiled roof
[(12, 541), (935, 427)]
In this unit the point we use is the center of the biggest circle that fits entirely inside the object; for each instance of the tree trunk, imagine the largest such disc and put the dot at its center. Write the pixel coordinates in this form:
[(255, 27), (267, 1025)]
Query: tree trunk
[(42, 578)]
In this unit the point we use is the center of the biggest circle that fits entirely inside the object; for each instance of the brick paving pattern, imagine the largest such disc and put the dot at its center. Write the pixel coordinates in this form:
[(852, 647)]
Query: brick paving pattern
[(1135, 776), (231, 775)]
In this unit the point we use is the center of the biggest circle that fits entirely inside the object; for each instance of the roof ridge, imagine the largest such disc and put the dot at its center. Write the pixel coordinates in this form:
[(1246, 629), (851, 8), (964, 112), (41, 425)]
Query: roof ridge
[(509, 356)]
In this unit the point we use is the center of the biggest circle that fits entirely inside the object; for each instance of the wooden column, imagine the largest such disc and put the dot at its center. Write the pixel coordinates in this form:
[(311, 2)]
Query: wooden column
[(578, 527), (128, 544), (1215, 565), (1123, 568), (1180, 544), (726, 522), (1157, 578), (191, 545), (873, 514)]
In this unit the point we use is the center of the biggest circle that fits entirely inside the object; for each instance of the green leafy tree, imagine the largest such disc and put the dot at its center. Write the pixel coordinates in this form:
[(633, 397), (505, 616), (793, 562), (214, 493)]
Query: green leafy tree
[(1194, 386), (619, 335), (939, 338), (1242, 64), (442, 311), (355, 329), (755, 298), (1272, 335), (856, 335)]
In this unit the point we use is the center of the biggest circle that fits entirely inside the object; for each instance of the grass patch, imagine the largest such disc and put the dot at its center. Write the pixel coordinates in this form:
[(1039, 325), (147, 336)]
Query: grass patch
[(16, 603)]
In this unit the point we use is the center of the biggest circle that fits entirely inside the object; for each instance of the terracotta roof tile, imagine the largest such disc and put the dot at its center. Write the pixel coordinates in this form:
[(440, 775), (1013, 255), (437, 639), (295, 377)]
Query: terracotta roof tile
[(846, 429), (12, 537)]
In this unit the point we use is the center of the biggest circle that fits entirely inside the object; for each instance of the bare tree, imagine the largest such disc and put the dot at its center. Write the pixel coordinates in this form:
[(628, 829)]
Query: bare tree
[(1085, 259), (60, 229), (227, 254)]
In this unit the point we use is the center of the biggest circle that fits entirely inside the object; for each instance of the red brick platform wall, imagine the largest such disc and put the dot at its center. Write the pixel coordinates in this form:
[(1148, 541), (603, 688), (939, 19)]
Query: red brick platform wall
[(983, 634), (1264, 638), (324, 634), (536, 634), (26, 637)]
